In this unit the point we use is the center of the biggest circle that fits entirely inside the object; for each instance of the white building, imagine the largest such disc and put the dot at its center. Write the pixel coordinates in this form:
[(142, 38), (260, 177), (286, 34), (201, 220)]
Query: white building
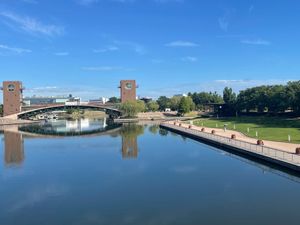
[(41, 100), (101, 100)]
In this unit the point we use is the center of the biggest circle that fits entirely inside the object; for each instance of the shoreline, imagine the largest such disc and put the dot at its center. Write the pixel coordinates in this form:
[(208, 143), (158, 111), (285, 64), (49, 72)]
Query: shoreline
[(283, 146), (271, 155), (7, 122)]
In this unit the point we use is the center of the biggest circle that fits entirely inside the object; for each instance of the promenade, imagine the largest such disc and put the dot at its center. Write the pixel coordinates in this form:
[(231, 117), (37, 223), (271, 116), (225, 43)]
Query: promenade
[(283, 154), (282, 146)]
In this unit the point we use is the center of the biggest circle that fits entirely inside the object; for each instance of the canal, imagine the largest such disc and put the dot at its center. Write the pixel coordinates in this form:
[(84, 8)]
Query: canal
[(134, 174)]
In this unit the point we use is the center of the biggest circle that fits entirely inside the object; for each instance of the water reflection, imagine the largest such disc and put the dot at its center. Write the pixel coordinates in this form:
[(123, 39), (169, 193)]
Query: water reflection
[(130, 133), (79, 125), (14, 148), (70, 127), (173, 182), (154, 128)]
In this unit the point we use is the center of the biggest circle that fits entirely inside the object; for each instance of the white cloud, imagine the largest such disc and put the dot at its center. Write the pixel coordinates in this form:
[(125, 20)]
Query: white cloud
[(37, 195), (211, 85), (31, 25), (42, 88), (61, 53), (224, 21), (242, 84), (107, 49), (14, 49), (182, 44), (189, 59), (136, 47), (256, 42)]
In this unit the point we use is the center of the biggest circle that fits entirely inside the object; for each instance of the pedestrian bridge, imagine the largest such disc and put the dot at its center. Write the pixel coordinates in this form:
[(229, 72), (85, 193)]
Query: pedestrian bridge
[(109, 110)]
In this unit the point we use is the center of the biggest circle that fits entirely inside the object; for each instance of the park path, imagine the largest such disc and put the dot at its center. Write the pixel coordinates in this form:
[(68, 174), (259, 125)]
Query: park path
[(283, 146)]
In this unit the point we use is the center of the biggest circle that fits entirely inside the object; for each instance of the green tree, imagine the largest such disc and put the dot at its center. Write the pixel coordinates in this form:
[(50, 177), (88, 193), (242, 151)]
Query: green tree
[(251, 99), (271, 98), (293, 95), (186, 105), (277, 98), (203, 98), (114, 100), (152, 106), (229, 96), (132, 108), (163, 102), (174, 103)]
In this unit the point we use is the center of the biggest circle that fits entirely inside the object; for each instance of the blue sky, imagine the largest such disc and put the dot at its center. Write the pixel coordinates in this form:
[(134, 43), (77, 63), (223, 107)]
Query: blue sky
[(86, 47)]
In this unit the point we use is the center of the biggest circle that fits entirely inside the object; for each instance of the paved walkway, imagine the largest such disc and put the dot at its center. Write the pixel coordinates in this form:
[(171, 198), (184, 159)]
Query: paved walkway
[(287, 147)]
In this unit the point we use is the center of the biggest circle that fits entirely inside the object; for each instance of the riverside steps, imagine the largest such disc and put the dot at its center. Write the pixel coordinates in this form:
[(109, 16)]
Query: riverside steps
[(271, 155)]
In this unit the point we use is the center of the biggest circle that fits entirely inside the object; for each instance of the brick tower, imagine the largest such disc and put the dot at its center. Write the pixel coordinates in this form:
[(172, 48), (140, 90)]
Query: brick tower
[(12, 97), (128, 90)]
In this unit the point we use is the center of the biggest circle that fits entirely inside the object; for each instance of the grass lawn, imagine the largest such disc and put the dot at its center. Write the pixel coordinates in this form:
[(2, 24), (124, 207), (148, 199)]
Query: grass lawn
[(268, 128), (192, 114)]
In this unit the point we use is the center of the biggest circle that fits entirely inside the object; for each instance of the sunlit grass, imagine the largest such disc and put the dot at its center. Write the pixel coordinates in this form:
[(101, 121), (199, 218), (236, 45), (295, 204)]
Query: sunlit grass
[(267, 128)]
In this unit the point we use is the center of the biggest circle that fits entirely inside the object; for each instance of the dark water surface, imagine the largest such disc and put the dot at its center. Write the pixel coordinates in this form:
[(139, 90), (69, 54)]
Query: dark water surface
[(137, 175)]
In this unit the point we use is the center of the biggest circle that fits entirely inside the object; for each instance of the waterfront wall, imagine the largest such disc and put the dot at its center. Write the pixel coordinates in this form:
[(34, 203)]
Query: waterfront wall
[(275, 156)]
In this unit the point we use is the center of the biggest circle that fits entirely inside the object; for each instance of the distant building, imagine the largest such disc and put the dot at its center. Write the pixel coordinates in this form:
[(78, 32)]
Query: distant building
[(40, 100), (101, 100)]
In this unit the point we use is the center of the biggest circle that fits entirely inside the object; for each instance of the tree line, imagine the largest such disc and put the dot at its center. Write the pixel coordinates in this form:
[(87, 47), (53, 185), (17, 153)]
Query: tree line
[(260, 99), (265, 98), (269, 98)]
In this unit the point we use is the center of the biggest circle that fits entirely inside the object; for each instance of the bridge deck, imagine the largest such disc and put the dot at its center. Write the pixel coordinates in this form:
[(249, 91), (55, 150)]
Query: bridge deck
[(35, 110)]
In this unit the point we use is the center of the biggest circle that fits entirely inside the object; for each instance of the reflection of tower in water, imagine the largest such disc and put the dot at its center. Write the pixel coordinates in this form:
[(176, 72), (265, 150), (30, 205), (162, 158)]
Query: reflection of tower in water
[(129, 147), (14, 148), (129, 133)]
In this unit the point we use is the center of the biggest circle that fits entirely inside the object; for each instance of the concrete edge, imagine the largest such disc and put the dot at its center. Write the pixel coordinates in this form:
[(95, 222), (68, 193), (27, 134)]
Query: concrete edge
[(234, 149)]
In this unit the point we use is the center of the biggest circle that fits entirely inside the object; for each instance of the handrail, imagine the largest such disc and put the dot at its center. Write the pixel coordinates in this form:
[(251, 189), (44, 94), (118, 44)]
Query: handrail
[(265, 151)]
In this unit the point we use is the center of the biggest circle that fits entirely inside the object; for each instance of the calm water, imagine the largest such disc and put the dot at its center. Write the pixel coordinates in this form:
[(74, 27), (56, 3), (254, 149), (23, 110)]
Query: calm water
[(71, 127), (137, 175)]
